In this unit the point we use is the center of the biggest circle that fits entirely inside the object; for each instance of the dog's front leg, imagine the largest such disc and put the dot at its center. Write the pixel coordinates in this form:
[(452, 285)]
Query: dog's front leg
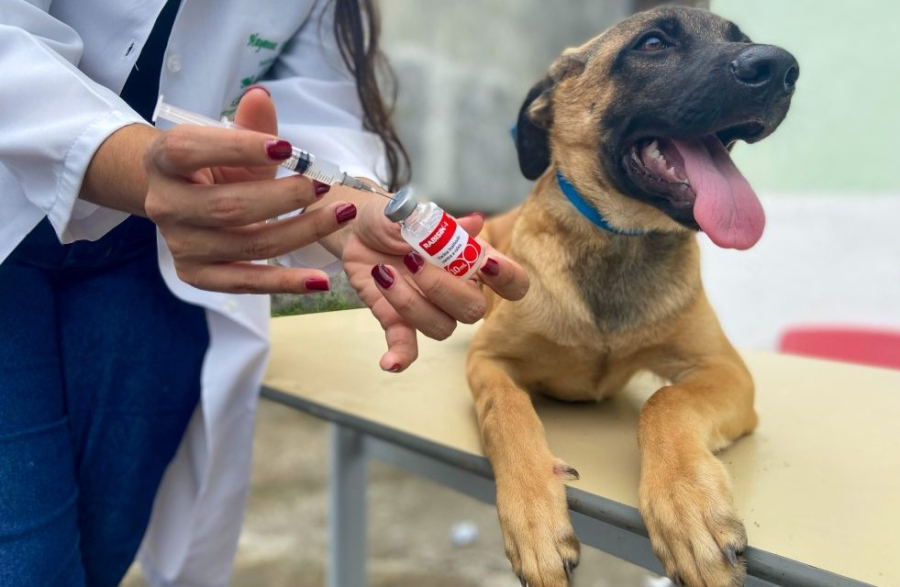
[(531, 497), (685, 491)]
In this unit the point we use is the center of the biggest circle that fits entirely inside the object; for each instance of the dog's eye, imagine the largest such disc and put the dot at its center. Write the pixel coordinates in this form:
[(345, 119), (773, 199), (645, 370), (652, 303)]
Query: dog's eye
[(651, 43)]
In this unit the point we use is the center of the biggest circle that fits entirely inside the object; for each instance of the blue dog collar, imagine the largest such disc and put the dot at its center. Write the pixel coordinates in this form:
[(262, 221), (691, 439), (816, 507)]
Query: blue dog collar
[(587, 210)]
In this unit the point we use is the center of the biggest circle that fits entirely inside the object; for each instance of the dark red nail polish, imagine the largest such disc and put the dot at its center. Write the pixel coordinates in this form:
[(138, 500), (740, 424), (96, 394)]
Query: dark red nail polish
[(321, 188), (345, 213), (383, 276), (257, 87), (413, 261), (317, 284), (278, 149), (491, 267)]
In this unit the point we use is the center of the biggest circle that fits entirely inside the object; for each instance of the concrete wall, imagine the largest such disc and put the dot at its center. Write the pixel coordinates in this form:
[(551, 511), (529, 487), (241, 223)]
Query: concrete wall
[(830, 252), (464, 67)]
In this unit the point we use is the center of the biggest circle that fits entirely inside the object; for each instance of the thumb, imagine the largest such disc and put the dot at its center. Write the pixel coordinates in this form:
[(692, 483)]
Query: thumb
[(473, 223), (376, 231), (256, 111)]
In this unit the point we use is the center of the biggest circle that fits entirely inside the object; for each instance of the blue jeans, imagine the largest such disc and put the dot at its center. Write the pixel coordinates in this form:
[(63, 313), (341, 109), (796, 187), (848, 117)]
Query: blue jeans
[(99, 375)]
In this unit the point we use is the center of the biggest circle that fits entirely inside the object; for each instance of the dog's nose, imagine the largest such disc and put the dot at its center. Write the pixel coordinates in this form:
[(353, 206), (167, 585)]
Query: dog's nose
[(766, 66)]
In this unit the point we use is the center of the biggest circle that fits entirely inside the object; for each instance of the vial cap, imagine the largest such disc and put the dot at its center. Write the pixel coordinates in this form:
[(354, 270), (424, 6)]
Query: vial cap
[(401, 205)]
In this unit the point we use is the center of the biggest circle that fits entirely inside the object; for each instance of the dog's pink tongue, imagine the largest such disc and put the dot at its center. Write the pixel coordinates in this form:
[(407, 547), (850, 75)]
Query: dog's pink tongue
[(726, 207)]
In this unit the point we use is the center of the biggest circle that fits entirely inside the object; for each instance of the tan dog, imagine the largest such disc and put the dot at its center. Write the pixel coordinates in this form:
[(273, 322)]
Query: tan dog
[(636, 123)]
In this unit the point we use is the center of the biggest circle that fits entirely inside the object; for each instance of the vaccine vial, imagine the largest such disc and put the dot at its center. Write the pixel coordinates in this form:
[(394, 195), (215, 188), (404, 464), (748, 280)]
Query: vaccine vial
[(435, 235)]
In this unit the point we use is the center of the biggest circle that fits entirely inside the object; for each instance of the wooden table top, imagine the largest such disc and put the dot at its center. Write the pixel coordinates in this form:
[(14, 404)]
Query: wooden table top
[(818, 482)]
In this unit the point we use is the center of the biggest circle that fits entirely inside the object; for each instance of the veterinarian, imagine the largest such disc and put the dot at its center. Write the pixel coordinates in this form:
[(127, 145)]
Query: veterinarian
[(122, 381)]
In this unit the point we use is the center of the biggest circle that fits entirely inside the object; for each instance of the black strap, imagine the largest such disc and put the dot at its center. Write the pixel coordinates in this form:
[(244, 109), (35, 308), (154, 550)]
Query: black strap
[(142, 88)]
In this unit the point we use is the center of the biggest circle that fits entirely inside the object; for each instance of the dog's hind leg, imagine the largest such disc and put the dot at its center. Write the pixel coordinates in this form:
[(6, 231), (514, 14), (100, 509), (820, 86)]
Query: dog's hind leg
[(685, 491), (531, 499)]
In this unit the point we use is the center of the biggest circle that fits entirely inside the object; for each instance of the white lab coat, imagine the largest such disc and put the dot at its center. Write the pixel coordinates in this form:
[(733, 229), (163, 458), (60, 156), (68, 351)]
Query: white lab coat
[(64, 63)]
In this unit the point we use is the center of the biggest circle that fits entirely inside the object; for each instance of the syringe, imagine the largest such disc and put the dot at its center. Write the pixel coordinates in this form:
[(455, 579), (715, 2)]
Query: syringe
[(300, 161)]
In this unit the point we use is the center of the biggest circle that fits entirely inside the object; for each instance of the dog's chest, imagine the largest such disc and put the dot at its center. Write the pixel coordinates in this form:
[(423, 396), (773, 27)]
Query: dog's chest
[(561, 354), (596, 314), (578, 376), (631, 283)]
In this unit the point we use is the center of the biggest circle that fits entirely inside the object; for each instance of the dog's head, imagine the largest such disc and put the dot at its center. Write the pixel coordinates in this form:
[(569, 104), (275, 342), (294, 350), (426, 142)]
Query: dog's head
[(641, 118)]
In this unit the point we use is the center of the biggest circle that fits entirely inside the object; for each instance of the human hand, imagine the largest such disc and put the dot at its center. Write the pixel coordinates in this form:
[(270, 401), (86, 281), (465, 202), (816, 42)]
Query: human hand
[(407, 295), (212, 194)]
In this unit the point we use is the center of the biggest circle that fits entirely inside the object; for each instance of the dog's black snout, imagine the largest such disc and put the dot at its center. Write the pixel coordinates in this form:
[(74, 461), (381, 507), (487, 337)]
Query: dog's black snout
[(766, 66)]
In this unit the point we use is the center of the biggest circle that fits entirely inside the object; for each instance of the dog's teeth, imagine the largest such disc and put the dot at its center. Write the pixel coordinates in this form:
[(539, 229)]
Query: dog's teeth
[(651, 153)]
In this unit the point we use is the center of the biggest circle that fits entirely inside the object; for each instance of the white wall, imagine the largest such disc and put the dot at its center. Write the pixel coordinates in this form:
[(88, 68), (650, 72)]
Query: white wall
[(831, 259)]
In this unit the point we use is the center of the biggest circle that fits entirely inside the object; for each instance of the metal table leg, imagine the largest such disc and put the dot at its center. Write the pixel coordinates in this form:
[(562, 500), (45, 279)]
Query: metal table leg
[(347, 509)]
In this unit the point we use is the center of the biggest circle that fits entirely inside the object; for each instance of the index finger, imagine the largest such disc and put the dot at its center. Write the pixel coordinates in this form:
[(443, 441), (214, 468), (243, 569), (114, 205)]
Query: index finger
[(186, 148)]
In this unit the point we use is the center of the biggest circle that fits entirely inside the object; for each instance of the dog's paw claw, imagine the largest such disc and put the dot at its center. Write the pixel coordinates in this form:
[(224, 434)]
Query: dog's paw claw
[(537, 533), (731, 555), (523, 581), (694, 528), (565, 471)]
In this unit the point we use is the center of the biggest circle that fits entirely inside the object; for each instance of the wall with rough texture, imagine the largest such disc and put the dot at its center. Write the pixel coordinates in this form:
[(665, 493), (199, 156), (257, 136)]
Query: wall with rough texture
[(464, 67)]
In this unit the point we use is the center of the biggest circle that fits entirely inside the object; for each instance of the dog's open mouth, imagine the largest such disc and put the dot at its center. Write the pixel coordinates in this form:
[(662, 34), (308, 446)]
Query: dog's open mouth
[(698, 174)]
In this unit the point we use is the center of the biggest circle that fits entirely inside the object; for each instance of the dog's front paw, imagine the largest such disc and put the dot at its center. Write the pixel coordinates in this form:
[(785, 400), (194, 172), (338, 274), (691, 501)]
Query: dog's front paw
[(537, 533), (693, 526)]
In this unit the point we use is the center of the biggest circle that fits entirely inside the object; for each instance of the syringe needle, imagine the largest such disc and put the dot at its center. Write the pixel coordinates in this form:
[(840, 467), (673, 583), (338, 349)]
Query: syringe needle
[(365, 187)]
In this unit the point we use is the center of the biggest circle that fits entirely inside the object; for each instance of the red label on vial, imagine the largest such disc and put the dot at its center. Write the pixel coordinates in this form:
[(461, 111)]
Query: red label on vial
[(453, 248), (440, 236)]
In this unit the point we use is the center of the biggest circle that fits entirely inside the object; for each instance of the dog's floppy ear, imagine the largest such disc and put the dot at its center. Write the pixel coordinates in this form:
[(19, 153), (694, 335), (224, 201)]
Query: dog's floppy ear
[(536, 116), (531, 135)]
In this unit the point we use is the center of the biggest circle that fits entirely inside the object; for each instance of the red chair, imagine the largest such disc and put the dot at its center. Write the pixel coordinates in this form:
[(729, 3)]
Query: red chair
[(866, 346)]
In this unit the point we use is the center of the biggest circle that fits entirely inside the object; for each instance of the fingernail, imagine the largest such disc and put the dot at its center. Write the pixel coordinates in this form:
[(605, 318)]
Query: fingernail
[(413, 261), (317, 284), (383, 276), (474, 215), (345, 213), (321, 188), (394, 368), (257, 87), (278, 149), (491, 267)]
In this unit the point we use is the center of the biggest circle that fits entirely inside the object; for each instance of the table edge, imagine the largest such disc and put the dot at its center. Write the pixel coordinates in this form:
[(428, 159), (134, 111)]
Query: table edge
[(761, 564)]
